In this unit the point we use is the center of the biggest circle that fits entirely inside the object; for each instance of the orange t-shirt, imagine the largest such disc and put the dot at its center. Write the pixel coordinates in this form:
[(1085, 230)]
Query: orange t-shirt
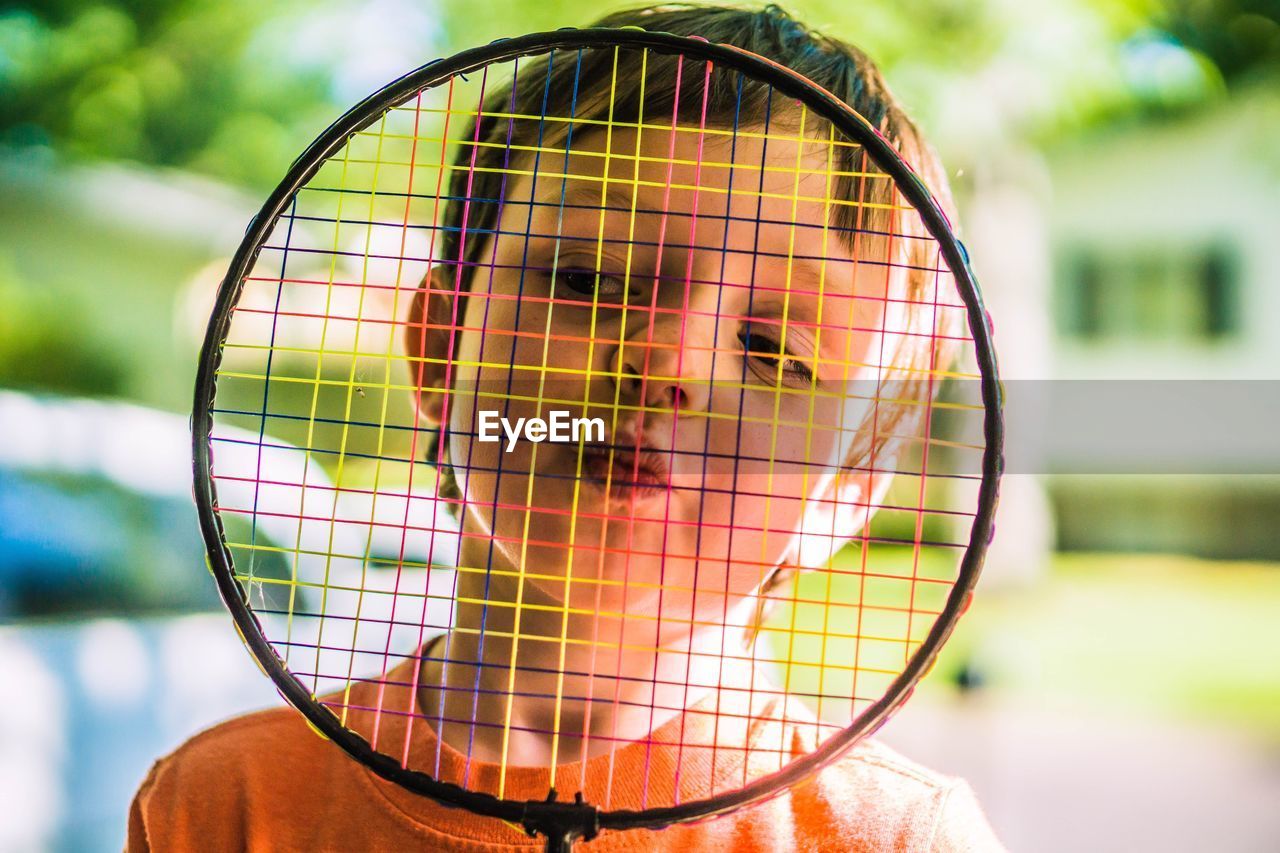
[(265, 781)]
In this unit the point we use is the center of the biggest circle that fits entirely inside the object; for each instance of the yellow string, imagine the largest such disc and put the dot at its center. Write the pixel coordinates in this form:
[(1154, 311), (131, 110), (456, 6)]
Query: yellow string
[(778, 381), (586, 155), (311, 422), (342, 445), (804, 486), (482, 570), (613, 426), (382, 424), (772, 136), (524, 539), (577, 480), (711, 416), (592, 179), (569, 371)]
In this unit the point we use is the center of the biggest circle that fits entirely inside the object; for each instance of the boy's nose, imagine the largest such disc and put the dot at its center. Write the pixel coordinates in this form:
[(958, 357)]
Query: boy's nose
[(671, 369)]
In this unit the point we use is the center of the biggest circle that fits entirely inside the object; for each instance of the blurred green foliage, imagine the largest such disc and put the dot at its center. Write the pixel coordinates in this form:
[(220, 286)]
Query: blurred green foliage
[(166, 83), (42, 345), (236, 88), (1241, 37)]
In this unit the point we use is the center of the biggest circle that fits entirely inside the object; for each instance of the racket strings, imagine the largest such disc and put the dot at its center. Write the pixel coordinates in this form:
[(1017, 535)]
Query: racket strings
[(439, 201)]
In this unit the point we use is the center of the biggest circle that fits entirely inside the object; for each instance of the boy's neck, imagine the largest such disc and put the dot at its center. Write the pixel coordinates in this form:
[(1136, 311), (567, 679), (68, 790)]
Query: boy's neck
[(561, 683), (567, 687)]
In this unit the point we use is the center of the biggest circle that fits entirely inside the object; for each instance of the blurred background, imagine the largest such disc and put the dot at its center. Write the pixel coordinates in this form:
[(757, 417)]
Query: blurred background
[(1116, 686)]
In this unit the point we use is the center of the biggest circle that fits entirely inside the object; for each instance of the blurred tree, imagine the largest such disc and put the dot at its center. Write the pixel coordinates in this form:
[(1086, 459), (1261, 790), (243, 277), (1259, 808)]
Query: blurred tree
[(168, 83), (1241, 37), (236, 88), (43, 345)]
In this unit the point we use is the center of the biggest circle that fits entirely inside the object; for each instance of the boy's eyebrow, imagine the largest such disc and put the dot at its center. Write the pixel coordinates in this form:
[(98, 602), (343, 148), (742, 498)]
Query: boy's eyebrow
[(590, 196), (822, 276)]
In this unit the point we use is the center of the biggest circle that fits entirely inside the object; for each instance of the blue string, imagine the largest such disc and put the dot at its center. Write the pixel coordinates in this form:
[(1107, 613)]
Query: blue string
[(488, 577), (266, 389)]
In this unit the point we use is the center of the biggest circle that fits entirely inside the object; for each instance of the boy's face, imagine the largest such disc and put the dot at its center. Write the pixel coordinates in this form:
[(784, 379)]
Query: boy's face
[(729, 327)]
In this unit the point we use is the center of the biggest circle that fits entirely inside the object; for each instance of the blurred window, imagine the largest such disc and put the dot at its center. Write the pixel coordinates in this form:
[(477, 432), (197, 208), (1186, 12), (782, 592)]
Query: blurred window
[(1174, 295)]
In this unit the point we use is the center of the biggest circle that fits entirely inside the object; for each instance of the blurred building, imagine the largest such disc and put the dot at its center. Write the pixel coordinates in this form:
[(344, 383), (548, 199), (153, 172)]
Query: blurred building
[(1164, 238)]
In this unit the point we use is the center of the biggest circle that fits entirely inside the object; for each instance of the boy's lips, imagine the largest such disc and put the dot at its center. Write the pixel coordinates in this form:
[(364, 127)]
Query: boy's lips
[(628, 467)]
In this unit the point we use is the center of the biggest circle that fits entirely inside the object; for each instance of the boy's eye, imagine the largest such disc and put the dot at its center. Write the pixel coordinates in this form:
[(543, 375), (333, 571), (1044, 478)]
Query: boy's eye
[(771, 362), (584, 282)]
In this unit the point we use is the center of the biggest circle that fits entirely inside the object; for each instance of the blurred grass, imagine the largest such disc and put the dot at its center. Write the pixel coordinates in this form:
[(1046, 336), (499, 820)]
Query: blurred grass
[(850, 631), (1166, 636)]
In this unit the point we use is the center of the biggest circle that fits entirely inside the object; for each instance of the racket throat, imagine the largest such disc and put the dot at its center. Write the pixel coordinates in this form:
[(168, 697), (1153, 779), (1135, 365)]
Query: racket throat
[(561, 824)]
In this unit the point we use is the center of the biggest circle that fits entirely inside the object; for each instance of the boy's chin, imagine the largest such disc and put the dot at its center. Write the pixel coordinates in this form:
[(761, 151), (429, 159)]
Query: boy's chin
[(640, 617), (637, 585)]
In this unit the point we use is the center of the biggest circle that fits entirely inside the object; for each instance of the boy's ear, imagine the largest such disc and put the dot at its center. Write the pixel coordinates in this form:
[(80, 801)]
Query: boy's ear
[(429, 336)]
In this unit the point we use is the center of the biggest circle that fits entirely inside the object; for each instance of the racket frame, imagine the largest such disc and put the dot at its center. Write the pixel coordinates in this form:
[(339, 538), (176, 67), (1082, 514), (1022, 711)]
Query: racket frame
[(563, 822)]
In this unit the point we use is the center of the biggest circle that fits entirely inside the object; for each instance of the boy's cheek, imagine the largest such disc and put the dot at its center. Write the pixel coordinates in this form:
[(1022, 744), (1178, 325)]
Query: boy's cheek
[(759, 449)]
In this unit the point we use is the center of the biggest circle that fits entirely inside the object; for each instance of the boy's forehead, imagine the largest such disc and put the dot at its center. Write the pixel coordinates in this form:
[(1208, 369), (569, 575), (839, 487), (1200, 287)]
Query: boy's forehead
[(744, 193), (779, 178)]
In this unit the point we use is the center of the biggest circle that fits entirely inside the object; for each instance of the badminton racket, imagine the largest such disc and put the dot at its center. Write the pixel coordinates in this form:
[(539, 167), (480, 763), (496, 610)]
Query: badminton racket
[(582, 399)]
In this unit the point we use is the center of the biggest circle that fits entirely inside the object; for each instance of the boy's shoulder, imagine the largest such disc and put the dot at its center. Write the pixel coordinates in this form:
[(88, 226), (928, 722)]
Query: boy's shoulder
[(240, 743), (874, 758), (886, 801), (267, 758), (248, 725)]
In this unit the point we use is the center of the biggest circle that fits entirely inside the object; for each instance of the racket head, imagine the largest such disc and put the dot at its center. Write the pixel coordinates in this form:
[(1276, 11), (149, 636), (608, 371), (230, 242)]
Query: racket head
[(553, 814)]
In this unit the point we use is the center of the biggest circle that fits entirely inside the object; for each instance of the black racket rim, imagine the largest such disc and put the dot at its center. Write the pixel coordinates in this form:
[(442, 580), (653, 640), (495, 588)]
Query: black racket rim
[(580, 818)]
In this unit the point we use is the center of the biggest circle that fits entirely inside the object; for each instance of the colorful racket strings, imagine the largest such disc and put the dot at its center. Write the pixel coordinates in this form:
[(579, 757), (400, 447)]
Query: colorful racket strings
[(757, 536)]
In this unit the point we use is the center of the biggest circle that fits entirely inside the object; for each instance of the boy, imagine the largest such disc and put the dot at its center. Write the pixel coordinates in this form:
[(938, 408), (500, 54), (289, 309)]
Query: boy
[(611, 579)]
